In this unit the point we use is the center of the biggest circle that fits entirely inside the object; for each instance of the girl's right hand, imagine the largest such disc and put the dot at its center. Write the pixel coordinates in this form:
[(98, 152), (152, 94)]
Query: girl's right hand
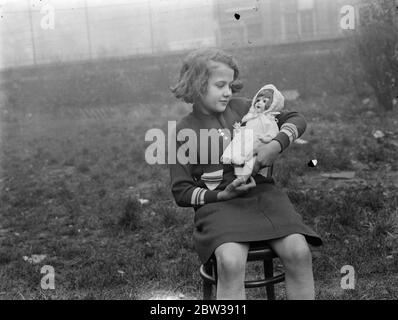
[(236, 188)]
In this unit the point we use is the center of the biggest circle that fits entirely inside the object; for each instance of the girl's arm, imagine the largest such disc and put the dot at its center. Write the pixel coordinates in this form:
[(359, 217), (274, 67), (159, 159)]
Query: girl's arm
[(184, 189), (291, 125), (187, 194)]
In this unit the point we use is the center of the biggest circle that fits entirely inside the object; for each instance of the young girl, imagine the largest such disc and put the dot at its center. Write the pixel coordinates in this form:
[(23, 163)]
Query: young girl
[(230, 213)]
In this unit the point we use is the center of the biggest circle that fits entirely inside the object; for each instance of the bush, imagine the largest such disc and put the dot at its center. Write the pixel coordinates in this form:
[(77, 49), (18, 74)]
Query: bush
[(131, 217), (376, 45)]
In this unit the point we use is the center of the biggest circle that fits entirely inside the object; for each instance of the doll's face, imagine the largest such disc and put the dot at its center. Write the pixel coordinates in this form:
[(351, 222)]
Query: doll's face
[(263, 100)]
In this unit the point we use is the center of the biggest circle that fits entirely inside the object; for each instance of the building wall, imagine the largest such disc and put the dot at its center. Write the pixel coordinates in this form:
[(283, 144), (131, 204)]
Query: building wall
[(90, 29), (180, 25), (267, 22)]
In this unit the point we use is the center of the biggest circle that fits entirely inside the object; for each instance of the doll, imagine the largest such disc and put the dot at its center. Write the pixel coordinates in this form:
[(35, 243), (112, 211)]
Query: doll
[(258, 126)]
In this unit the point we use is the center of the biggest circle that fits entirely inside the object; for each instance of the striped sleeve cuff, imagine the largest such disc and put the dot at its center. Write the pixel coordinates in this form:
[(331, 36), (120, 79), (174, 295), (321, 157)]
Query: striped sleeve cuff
[(200, 196), (291, 131), (287, 134), (283, 140)]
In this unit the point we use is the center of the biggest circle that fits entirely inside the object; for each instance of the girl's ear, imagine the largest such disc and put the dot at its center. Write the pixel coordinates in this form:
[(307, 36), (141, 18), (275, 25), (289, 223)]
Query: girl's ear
[(197, 96)]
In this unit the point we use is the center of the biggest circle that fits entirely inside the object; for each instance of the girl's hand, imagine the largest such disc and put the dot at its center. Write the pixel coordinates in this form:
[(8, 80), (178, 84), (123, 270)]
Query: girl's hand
[(266, 155), (236, 188)]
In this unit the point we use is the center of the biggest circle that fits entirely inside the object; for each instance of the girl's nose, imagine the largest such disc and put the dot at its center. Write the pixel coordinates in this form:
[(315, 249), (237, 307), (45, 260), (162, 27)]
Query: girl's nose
[(227, 92)]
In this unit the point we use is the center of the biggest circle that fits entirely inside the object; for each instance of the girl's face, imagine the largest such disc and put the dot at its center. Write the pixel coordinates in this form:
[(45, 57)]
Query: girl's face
[(218, 88)]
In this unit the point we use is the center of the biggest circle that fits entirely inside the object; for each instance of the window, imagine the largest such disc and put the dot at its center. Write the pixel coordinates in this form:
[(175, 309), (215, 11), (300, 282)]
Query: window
[(298, 19), (289, 5), (291, 26), (306, 18), (306, 23), (305, 5)]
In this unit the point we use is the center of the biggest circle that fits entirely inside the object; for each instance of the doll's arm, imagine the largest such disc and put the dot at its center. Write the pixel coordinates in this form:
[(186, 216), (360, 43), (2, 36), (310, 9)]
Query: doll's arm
[(265, 137), (250, 115)]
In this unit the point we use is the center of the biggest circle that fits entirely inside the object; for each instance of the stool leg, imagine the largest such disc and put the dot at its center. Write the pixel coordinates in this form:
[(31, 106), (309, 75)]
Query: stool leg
[(269, 273), (207, 287)]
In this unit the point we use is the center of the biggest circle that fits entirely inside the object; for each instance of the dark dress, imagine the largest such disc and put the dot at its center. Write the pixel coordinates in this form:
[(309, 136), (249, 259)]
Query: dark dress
[(264, 213)]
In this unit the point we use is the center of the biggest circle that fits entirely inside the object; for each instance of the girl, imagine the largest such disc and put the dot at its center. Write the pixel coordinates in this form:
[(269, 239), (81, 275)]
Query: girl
[(230, 213)]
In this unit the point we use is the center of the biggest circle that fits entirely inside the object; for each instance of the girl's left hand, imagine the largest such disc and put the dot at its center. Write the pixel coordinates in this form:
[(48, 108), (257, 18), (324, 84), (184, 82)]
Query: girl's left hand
[(266, 155)]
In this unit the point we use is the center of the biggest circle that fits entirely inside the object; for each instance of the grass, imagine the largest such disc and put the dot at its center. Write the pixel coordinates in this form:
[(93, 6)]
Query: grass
[(70, 189)]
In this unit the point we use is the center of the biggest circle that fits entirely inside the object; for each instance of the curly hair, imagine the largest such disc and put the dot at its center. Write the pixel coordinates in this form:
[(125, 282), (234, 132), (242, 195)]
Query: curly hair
[(196, 71)]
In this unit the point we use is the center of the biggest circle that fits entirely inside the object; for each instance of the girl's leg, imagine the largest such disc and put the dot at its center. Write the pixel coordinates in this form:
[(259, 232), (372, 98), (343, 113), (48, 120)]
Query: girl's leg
[(231, 264), (296, 256)]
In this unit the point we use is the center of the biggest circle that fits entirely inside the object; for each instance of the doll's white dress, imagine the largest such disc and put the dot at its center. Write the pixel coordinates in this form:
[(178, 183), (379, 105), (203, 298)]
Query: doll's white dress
[(260, 128)]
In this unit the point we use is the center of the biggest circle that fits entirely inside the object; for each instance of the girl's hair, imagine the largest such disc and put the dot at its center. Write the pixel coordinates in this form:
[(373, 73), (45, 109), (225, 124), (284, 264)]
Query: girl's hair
[(196, 71)]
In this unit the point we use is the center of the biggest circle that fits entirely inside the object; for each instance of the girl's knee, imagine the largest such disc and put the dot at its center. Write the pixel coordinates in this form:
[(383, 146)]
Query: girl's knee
[(230, 265), (231, 260), (296, 251)]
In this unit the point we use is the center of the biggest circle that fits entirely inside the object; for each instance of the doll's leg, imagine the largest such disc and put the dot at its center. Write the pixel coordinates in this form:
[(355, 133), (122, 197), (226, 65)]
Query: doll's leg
[(242, 146), (246, 171), (231, 263), (233, 152)]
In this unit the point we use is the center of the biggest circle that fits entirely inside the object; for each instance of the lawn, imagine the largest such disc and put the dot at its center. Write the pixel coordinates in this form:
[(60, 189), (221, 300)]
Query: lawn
[(71, 183)]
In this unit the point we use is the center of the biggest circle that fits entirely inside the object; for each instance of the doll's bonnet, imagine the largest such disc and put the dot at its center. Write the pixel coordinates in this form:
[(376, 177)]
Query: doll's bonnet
[(278, 101)]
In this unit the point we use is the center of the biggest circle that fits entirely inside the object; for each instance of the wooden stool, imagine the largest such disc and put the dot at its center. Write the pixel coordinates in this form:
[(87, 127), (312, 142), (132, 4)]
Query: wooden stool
[(257, 252)]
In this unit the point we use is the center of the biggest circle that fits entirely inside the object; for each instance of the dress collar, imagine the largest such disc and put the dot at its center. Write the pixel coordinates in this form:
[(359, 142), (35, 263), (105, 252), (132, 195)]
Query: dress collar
[(198, 112), (219, 116)]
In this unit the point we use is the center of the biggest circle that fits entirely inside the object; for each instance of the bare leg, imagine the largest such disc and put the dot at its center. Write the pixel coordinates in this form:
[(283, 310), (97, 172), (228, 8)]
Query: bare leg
[(296, 256), (231, 265)]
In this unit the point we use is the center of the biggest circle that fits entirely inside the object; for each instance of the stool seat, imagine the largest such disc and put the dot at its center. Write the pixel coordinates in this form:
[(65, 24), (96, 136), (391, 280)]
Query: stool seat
[(260, 251), (257, 252)]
